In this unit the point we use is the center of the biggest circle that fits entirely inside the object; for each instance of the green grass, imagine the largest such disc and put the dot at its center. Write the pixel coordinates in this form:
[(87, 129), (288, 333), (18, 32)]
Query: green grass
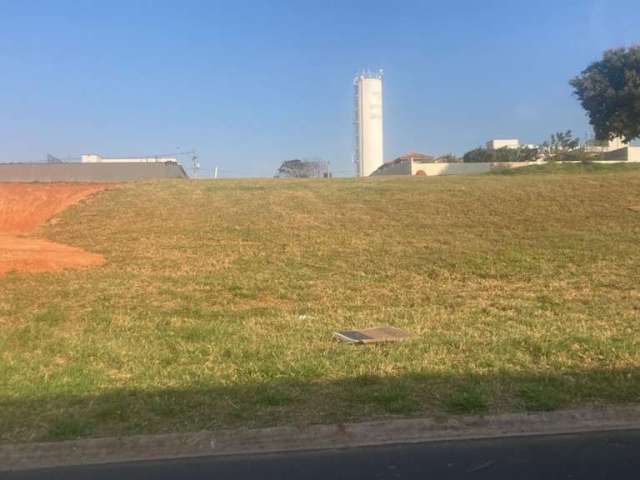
[(219, 299), (469, 399)]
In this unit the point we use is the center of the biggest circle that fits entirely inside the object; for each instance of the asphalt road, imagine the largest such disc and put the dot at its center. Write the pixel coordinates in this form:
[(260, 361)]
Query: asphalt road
[(613, 455)]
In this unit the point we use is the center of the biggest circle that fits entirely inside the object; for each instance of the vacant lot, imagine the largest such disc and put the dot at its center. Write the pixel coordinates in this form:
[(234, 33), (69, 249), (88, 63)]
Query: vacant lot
[(218, 301)]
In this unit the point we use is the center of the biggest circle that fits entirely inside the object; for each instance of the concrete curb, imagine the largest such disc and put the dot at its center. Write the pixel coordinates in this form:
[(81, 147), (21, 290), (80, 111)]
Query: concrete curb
[(315, 437)]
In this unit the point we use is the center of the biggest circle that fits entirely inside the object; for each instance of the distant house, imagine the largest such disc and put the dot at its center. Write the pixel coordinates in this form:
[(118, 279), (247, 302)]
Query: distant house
[(413, 163), (95, 158), (419, 164), (416, 157), (596, 146), (615, 149), (403, 165), (496, 144)]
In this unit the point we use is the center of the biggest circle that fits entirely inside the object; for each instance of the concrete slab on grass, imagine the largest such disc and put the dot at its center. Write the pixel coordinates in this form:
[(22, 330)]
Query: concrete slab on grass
[(373, 335)]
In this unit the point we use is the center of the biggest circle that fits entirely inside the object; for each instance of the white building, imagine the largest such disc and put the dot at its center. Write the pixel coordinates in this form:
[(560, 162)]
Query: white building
[(495, 144), (94, 158), (368, 155), (594, 146)]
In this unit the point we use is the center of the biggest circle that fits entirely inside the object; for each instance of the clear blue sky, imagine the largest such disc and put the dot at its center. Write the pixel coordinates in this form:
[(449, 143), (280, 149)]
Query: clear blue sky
[(252, 83)]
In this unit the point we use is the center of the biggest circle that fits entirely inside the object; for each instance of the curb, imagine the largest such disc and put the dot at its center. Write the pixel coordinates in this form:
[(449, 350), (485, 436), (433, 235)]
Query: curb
[(315, 437)]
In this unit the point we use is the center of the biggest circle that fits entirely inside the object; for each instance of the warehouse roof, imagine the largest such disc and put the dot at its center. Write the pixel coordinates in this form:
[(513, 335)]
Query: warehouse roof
[(88, 172)]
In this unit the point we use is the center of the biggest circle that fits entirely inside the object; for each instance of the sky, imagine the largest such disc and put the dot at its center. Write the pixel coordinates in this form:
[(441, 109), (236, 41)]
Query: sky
[(249, 84)]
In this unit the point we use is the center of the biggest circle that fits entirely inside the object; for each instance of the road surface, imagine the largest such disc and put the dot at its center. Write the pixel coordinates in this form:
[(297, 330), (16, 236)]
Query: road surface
[(613, 455)]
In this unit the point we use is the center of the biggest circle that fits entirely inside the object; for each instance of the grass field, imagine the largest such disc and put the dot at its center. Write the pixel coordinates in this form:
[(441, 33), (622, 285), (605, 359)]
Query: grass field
[(570, 168), (218, 302)]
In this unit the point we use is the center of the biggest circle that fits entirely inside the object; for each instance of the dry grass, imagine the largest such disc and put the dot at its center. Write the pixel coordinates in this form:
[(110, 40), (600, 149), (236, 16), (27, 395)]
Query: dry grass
[(219, 299)]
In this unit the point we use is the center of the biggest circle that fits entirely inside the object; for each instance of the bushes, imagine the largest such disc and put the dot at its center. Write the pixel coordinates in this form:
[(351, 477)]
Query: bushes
[(523, 154)]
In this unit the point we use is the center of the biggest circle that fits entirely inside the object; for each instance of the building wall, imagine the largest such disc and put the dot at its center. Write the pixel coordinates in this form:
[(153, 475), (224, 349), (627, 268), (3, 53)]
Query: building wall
[(93, 158), (409, 167), (506, 143), (369, 125), (625, 154), (434, 169), (88, 172), (399, 168), (620, 154)]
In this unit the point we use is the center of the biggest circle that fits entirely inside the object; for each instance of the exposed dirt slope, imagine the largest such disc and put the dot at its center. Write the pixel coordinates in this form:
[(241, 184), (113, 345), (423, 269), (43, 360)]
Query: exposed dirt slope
[(25, 206)]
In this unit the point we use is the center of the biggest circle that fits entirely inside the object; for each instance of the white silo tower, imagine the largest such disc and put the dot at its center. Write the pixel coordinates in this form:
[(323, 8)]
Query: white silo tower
[(368, 154)]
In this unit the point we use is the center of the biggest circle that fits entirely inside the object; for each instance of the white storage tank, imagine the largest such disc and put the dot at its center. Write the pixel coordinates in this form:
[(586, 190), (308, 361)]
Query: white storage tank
[(368, 154)]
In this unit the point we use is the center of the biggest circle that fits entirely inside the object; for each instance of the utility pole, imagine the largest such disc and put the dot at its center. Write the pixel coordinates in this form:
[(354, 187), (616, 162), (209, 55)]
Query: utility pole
[(195, 164)]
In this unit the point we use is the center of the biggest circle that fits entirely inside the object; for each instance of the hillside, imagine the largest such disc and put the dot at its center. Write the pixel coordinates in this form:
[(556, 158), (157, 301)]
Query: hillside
[(218, 300)]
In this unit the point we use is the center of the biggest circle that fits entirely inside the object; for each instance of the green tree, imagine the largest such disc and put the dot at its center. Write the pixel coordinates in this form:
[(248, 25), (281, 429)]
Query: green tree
[(478, 155), (448, 158), (559, 144), (609, 90), (522, 154), (297, 168)]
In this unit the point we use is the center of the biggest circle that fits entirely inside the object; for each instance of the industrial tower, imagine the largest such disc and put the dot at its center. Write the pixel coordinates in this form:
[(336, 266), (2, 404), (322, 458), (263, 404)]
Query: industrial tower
[(368, 155)]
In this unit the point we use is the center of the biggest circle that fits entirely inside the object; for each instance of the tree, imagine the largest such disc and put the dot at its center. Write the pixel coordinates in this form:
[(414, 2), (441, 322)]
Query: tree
[(522, 154), (448, 158), (477, 155), (297, 168), (609, 90), (560, 143)]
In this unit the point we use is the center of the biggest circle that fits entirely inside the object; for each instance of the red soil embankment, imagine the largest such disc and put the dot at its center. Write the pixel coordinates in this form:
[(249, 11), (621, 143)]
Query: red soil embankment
[(24, 206)]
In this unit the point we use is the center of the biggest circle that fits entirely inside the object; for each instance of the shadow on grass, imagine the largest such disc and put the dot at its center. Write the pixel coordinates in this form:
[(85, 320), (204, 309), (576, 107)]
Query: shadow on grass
[(282, 401)]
